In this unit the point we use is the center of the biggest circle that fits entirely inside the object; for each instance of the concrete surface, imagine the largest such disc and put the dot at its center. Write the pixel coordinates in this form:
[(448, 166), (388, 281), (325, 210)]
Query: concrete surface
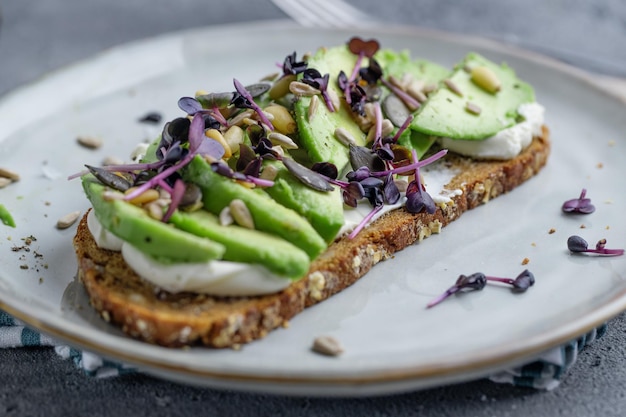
[(37, 36)]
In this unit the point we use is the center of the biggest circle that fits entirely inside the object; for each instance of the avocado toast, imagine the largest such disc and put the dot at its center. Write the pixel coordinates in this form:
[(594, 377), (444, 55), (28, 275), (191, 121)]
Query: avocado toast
[(295, 179)]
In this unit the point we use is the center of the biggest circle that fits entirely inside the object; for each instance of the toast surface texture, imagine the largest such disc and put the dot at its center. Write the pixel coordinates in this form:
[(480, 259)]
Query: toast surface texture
[(145, 312)]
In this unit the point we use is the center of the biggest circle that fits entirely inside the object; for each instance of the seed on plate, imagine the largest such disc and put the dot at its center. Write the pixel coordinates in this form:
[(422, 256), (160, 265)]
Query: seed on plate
[(112, 160), (327, 345), (301, 89), (282, 140), (7, 173), (344, 136), (453, 87), (4, 182), (486, 79), (313, 105), (90, 142), (241, 214), (68, 220), (473, 108)]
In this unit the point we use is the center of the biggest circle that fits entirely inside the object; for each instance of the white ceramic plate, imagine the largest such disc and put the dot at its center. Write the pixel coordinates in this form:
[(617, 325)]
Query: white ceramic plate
[(392, 343)]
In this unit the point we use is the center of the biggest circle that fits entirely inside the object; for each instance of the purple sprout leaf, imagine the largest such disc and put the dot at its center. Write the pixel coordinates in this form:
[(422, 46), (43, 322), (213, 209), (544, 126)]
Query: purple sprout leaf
[(418, 200), (390, 190), (523, 281), (577, 244), (464, 283), (244, 99), (327, 169), (189, 105), (291, 66), (580, 205)]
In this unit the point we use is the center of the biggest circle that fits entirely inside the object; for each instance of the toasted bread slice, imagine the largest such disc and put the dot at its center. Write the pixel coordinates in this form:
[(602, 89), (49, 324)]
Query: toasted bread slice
[(155, 316)]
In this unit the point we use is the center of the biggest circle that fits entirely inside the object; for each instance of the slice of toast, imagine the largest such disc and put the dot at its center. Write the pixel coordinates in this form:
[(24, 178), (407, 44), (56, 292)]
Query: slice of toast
[(145, 312)]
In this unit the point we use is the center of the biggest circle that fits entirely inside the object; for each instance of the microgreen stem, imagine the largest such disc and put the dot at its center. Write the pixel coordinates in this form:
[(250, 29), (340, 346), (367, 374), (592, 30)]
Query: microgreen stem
[(378, 114), (364, 222), (406, 98), (355, 71), (402, 128), (450, 291), (413, 166), (246, 94)]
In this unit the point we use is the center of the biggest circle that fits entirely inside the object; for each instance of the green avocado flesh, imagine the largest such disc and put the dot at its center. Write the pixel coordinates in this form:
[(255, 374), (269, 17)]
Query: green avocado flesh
[(246, 245), (445, 114), (268, 215), (163, 242), (324, 210), (317, 135)]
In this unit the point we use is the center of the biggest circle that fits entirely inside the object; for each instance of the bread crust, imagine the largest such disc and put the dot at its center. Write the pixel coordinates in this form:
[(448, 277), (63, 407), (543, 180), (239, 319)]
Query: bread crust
[(145, 312)]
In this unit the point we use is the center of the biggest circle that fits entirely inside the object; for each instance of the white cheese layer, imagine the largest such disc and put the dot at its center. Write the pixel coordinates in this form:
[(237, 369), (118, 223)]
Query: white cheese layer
[(507, 143)]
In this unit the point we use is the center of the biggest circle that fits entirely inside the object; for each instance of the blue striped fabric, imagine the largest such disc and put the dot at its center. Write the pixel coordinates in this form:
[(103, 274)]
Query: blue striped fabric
[(544, 373)]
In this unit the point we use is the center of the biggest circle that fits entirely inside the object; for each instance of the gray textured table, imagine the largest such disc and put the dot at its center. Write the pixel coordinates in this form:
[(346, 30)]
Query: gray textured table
[(37, 36)]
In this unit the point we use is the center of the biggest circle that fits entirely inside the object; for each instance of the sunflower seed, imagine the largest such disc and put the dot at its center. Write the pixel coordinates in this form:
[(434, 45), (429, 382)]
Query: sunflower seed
[(269, 173), (89, 142), (282, 140), (313, 105), (112, 160), (7, 173), (344, 136), (486, 79), (301, 89), (327, 345), (68, 220), (226, 219), (4, 182), (453, 87), (473, 108), (241, 214)]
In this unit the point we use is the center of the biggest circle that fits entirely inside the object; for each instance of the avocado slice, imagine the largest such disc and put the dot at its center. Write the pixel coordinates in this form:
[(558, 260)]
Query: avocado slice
[(317, 136), (268, 215), (445, 114), (245, 245), (152, 237), (400, 63), (324, 210)]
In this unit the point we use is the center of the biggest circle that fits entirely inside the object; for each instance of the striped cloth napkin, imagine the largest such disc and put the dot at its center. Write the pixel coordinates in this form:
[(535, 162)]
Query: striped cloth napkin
[(545, 373)]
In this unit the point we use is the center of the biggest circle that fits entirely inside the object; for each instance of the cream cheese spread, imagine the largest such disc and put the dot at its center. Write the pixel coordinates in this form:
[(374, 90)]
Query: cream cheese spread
[(507, 143)]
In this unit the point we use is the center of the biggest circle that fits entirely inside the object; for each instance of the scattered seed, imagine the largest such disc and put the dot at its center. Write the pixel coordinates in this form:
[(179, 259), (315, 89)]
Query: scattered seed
[(282, 140), (146, 197), (226, 219), (112, 195), (344, 136), (473, 108), (429, 88), (552, 230), (4, 182), (582, 226), (241, 214), (395, 109), (600, 165), (154, 210), (398, 82), (486, 79), (301, 89), (89, 142), (68, 220), (269, 173), (327, 345), (217, 136), (239, 118), (453, 87), (313, 105), (234, 137), (112, 160), (387, 127), (334, 98), (525, 261), (9, 174), (416, 90)]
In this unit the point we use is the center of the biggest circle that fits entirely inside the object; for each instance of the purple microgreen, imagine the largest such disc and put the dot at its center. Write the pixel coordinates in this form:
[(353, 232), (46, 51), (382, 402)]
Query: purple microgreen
[(313, 77), (390, 190), (327, 169), (521, 283), (176, 195), (264, 149), (246, 155), (372, 73), (464, 283), (378, 115), (189, 105), (307, 176), (413, 166), (293, 67), (580, 205), (196, 134), (417, 199), (577, 244), (362, 49), (359, 175), (245, 100), (215, 100), (360, 156), (352, 193), (406, 98), (253, 168), (402, 128)]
